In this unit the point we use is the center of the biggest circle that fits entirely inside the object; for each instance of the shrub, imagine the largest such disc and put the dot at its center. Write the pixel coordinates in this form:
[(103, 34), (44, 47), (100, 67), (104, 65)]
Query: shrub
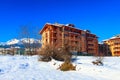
[(61, 54), (46, 53), (45, 59), (99, 60), (67, 66), (97, 63)]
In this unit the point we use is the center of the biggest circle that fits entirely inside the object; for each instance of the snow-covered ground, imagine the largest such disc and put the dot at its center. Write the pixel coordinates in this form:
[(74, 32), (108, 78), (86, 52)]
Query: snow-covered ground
[(29, 68)]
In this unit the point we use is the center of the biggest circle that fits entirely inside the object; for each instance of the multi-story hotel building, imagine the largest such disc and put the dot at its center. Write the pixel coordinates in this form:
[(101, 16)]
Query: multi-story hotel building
[(78, 40), (113, 45)]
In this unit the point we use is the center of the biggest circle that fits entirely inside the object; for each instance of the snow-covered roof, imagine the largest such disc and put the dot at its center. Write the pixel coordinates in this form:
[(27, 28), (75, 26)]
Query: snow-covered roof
[(65, 25), (100, 43), (57, 24), (105, 40), (60, 25), (114, 37)]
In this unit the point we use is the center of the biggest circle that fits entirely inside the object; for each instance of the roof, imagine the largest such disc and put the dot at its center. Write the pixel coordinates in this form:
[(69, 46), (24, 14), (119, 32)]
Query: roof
[(56, 24), (114, 37), (43, 28), (63, 25), (105, 40)]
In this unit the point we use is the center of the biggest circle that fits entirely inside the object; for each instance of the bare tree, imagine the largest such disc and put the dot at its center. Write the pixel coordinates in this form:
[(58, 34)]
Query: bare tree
[(27, 33)]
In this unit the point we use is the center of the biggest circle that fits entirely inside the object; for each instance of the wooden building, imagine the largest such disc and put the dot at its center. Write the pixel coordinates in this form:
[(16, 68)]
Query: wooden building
[(78, 40)]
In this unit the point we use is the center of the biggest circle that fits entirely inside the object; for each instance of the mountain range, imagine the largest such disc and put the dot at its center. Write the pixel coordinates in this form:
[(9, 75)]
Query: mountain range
[(19, 42)]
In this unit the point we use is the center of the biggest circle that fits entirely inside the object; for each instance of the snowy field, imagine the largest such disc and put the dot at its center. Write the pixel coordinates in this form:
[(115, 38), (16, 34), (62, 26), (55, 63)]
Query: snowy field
[(29, 68)]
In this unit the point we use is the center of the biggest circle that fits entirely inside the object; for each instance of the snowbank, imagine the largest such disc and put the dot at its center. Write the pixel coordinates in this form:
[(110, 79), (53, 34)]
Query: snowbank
[(29, 68)]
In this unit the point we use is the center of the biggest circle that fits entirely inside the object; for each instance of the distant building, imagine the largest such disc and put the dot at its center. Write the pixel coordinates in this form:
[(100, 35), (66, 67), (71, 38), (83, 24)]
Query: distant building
[(113, 45), (78, 40), (103, 50), (11, 50), (1, 50)]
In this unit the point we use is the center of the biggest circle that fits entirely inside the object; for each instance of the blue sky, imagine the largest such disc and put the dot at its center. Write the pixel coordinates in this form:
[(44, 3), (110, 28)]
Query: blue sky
[(102, 17)]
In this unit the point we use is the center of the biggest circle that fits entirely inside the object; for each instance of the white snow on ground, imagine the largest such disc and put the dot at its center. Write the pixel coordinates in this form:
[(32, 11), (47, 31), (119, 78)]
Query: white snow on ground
[(29, 68)]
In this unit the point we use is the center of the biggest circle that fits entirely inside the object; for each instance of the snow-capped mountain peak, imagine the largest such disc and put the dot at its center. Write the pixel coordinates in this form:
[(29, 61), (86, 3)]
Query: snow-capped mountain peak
[(12, 41), (29, 40), (21, 41)]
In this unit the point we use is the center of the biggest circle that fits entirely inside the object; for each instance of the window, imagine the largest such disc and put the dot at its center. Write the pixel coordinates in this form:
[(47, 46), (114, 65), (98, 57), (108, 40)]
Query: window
[(60, 34), (60, 29), (83, 35), (55, 28), (72, 36), (90, 44), (55, 35), (55, 40), (77, 37), (46, 34), (66, 35), (76, 42)]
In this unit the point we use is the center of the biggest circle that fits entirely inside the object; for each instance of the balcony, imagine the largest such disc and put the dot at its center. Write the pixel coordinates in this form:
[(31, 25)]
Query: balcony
[(89, 42), (90, 37), (91, 51), (116, 45), (91, 46), (117, 53), (116, 49)]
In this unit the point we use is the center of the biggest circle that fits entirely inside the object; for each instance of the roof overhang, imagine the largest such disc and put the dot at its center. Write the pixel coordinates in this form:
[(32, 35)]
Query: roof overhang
[(45, 26)]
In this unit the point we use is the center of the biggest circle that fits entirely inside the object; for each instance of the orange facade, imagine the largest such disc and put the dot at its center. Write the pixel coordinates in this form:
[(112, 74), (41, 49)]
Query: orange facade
[(78, 40), (113, 45)]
